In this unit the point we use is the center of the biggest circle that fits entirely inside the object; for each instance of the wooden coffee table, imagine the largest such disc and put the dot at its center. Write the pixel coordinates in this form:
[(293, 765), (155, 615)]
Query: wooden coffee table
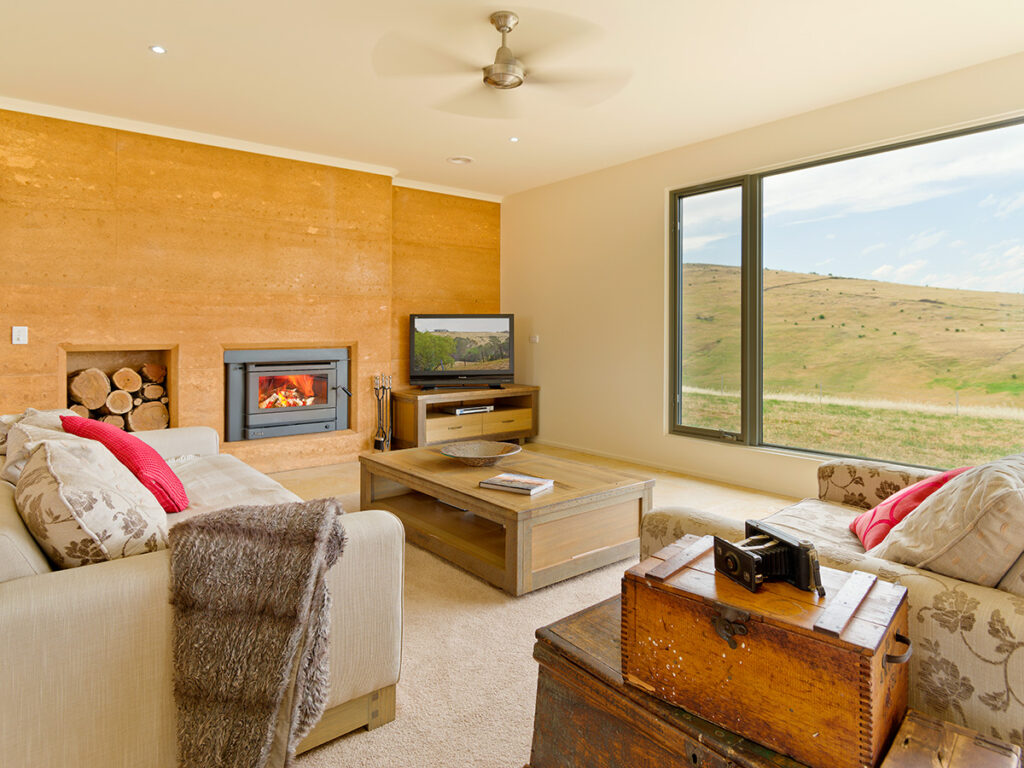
[(517, 542)]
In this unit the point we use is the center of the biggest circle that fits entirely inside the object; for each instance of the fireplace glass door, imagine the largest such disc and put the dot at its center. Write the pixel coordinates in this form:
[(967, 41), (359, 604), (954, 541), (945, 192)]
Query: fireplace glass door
[(291, 393)]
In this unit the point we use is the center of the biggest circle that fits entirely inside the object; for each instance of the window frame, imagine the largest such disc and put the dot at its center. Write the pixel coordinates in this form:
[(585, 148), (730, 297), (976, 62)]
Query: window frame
[(751, 289)]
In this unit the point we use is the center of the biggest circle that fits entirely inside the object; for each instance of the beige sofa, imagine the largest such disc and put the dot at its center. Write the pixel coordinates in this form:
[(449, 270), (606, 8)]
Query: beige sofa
[(968, 659), (85, 653)]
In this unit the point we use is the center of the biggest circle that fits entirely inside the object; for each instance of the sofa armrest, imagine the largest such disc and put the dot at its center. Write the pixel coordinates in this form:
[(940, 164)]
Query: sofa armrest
[(86, 653), (182, 441), (968, 645), (664, 525), (862, 483), (366, 587)]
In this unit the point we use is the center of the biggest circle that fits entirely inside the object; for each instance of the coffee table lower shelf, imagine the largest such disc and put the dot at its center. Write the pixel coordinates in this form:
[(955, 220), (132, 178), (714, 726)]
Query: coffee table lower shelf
[(517, 552)]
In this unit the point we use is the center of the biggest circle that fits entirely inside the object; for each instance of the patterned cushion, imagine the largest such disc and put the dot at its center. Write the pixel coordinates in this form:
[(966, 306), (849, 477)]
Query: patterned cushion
[(142, 460), (24, 434), (83, 506), (1013, 581), (874, 525), (970, 529), (821, 522)]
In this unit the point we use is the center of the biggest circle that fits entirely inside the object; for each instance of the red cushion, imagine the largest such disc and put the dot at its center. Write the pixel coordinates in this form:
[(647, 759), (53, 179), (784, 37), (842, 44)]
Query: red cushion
[(874, 525), (142, 459)]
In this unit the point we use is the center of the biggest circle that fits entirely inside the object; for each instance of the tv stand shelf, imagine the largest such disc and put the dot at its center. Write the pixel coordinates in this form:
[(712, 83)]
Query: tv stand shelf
[(420, 418)]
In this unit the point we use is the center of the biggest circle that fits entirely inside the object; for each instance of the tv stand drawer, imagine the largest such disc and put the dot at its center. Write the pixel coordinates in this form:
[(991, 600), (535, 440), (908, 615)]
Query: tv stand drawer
[(446, 427), (507, 420)]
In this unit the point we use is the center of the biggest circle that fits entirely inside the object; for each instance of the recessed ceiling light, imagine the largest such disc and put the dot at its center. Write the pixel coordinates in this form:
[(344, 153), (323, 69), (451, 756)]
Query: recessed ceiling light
[(157, 49), (513, 139), (459, 160)]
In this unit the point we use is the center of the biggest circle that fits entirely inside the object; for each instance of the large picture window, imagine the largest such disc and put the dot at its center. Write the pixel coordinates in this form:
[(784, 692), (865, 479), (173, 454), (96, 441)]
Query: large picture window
[(888, 320)]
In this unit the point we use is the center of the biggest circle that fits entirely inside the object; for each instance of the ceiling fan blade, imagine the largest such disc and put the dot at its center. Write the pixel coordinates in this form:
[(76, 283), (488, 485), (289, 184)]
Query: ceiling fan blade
[(542, 35), (481, 101), (395, 55), (583, 88)]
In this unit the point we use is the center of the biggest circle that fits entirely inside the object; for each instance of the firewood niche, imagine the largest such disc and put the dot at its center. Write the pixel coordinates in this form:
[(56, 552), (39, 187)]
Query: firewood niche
[(129, 389)]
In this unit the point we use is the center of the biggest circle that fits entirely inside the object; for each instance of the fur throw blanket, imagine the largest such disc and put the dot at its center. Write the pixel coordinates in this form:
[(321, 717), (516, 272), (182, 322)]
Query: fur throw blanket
[(251, 617)]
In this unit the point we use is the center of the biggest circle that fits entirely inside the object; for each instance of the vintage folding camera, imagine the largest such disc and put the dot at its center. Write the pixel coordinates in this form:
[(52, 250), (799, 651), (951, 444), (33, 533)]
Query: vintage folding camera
[(769, 554)]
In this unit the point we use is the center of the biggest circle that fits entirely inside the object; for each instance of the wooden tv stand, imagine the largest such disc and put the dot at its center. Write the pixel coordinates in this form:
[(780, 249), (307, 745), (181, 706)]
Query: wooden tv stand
[(419, 418)]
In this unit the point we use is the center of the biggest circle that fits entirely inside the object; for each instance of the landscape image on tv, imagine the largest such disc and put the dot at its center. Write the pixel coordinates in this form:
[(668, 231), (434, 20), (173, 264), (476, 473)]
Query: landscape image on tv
[(461, 344)]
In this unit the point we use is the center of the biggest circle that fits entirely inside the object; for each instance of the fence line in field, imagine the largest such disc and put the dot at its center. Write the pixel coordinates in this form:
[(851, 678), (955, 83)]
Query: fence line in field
[(818, 398)]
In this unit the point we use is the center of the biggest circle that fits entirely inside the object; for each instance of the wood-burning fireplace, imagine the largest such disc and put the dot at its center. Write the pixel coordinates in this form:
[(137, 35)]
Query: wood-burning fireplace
[(278, 392)]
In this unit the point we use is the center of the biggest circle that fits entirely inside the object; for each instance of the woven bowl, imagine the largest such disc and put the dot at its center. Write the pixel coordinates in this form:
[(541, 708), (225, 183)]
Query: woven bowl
[(480, 453)]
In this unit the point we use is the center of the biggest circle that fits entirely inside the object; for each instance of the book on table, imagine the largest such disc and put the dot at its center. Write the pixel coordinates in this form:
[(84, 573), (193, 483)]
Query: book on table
[(510, 481)]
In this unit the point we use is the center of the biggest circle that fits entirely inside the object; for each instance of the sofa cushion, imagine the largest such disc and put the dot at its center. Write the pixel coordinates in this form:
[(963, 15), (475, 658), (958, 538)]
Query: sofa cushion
[(874, 525), (19, 554), (26, 433), (216, 482), (83, 506), (821, 522), (971, 529), (141, 459)]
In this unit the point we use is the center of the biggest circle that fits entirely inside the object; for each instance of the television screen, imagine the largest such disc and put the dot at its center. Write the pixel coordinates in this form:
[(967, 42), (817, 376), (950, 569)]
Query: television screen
[(457, 346)]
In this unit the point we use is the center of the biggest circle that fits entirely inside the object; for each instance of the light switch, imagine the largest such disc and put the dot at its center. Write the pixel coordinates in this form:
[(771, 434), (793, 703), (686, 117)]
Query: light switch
[(535, 339), (19, 334)]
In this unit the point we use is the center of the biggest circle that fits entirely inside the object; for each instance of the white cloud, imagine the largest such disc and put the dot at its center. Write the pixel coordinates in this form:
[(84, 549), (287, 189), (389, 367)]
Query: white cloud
[(958, 244), (1004, 205), (902, 177), (922, 241), (830, 236), (697, 242), (904, 272), (883, 271), (873, 248)]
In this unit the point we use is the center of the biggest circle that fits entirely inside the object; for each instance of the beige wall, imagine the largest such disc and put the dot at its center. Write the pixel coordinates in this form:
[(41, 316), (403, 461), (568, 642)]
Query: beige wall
[(585, 266), (111, 238)]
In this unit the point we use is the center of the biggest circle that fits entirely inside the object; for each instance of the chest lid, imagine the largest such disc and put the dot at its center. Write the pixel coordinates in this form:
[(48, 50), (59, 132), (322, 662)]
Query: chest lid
[(855, 612)]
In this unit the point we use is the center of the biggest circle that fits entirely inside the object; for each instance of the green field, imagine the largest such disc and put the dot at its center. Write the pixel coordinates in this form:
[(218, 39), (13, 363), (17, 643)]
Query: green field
[(825, 337)]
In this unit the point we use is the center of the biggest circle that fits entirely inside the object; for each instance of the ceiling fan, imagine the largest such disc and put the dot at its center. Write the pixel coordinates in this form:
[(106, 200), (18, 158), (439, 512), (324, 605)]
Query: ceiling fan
[(545, 41)]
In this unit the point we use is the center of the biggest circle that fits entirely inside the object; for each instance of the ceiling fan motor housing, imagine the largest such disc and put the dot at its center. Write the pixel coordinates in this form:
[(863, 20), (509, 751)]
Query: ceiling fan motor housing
[(506, 71)]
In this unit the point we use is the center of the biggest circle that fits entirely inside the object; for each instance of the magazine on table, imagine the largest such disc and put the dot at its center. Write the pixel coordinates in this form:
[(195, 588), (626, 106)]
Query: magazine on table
[(510, 481)]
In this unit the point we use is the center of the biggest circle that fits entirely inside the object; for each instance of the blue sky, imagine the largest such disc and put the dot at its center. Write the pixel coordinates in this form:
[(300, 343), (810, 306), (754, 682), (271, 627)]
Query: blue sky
[(948, 214)]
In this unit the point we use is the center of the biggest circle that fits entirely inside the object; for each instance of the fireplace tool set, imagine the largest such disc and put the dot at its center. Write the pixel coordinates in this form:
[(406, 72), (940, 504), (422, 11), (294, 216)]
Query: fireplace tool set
[(382, 391)]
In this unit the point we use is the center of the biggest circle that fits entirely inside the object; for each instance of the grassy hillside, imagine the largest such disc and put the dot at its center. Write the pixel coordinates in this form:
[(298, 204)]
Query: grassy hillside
[(860, 338), (948, 365)]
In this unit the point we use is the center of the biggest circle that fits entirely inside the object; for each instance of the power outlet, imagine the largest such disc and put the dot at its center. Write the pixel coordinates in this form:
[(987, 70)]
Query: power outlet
[(19, 334)]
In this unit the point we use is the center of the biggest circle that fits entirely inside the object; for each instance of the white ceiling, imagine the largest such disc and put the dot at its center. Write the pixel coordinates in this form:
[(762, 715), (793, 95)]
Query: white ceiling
[(336, 79)]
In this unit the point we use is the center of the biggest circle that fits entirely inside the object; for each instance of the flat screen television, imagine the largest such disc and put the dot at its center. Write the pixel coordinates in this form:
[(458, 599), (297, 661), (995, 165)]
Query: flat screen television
[(461, 350)]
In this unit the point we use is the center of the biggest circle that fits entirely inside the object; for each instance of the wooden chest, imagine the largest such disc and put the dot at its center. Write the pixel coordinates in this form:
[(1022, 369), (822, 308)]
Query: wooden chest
[(755, 663), (924, 742)]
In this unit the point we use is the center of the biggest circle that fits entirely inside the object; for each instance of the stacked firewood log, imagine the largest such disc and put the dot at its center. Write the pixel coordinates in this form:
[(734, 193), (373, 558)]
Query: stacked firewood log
[(134, 400)]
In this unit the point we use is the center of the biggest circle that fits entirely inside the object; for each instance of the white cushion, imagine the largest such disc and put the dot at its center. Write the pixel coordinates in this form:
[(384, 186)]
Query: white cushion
[(216, 482), (25, 433), (971, 529), (84, 506)]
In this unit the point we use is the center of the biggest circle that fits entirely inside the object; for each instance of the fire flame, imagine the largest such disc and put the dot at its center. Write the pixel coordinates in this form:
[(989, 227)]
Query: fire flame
[(289, 391)]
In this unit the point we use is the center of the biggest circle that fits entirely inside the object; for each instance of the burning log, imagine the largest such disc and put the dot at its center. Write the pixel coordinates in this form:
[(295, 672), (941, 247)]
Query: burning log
[(89, 388), (151, 415), (127, 379)]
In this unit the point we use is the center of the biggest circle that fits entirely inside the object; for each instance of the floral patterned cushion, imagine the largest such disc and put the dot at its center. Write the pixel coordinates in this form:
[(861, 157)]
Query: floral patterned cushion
[(24, 433), (84, 506), (969, 529), (862, 483)]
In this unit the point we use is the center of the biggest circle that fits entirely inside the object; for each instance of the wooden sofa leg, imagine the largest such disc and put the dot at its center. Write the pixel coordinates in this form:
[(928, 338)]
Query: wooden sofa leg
[(372, 710)]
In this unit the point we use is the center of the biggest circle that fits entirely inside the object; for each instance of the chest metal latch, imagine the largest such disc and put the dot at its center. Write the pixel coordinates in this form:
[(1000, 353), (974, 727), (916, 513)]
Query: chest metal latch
[(730, 622)]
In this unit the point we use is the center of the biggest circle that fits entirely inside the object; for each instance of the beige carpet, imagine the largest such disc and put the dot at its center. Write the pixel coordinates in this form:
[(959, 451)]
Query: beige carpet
[(466, 695)]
